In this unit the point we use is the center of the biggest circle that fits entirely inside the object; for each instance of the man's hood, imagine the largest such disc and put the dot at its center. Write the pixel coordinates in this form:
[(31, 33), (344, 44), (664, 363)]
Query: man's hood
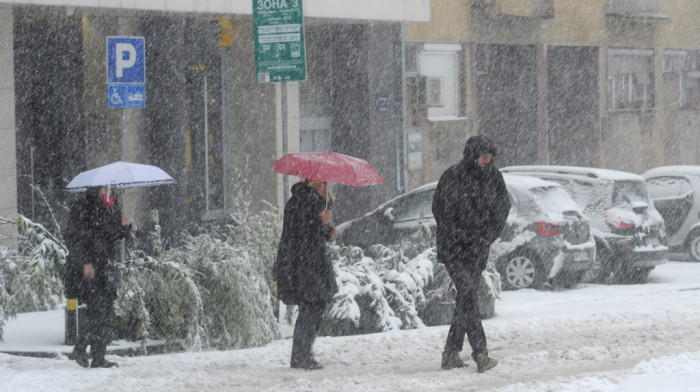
[(477, 146)]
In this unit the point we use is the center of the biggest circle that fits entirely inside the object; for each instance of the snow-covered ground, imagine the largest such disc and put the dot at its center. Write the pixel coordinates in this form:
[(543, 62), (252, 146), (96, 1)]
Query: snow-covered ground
[(593, 338)]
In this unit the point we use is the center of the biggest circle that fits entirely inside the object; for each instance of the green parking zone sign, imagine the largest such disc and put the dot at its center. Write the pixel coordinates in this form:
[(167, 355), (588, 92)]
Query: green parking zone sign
[(280, 55)]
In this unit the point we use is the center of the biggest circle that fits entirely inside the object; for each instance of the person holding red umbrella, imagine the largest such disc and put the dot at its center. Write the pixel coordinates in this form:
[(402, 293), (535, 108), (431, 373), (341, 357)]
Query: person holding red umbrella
[(304, 275)]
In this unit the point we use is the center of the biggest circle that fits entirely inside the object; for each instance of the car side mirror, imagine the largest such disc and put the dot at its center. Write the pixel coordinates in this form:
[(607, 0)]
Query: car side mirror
[(389, 214)]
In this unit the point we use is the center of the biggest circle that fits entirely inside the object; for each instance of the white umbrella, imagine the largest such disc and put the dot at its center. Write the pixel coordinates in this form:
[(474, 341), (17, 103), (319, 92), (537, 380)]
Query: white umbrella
[(121, 175)]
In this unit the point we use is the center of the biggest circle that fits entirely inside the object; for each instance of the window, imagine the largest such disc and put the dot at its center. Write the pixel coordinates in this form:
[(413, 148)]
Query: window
[(314, 128), (673, 198), (630, 84), (434, 93), (314, 140), (439, 63), (415, 149), (685, 64), (415, 206)]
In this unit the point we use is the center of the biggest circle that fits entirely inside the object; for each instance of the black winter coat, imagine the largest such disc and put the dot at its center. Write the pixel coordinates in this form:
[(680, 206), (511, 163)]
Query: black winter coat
[(93, 236), (470, 205), (303, 273)]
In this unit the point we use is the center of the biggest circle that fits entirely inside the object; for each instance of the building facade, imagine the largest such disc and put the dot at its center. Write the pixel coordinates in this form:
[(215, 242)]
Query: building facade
[(207, 120), (603, 83)]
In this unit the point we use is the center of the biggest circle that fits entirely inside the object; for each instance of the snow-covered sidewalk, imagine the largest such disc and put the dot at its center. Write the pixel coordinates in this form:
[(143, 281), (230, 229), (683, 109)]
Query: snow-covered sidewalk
[(592, 338)]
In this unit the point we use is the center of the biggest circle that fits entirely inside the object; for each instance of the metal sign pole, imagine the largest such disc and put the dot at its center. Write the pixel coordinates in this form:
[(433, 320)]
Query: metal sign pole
[(122, 242), (285, 137)]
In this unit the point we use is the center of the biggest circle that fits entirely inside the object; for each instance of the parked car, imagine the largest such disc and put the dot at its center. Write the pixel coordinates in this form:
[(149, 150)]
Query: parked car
[(675, 191), (629, 232), (547, 238)]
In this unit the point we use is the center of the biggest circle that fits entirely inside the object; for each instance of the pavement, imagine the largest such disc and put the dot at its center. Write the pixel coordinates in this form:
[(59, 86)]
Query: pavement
[(42, 335)]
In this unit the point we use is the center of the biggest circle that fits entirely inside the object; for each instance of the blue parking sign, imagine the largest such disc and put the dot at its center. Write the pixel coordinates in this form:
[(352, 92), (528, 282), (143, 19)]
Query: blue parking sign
[(126, 60)]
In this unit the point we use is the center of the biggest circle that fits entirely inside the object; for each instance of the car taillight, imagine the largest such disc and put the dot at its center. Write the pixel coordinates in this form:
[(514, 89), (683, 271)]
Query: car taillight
[(547, 229), (617, 221)]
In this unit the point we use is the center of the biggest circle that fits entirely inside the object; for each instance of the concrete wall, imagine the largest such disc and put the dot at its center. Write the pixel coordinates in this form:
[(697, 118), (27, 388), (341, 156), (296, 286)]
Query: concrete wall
[(392, 10), (8, 174)]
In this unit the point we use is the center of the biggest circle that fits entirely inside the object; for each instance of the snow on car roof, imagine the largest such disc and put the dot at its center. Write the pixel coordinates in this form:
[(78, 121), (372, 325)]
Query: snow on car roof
[(673, 170), (526, 182), (589, 172)]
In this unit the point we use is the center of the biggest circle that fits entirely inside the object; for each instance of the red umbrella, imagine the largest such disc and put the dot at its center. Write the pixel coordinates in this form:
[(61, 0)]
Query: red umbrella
[(328, 167)]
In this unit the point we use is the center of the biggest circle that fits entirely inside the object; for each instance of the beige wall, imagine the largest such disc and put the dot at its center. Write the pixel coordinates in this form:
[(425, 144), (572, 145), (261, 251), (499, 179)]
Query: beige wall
[(684, 29), (8, 172), (444, 16)]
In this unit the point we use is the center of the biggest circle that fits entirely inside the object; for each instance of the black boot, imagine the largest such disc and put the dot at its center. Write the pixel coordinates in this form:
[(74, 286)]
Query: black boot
[(451, 360), (483, 362), (80, 356), (103, 363), (308, 364)]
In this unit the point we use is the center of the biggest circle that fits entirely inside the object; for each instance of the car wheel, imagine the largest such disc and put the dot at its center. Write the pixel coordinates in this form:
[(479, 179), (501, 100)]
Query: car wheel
[(522, 271), (694, 246)]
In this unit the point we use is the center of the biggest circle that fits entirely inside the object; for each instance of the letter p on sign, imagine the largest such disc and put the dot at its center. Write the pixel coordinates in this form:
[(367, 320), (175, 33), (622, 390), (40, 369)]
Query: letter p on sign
[(126, 60), (126, 57)]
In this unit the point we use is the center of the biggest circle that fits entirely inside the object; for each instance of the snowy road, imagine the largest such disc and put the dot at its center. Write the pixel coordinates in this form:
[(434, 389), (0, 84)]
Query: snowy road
[(592, 338)]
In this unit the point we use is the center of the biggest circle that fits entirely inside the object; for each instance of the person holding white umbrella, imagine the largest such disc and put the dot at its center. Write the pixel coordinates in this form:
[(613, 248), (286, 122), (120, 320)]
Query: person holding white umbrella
[(94, 231)]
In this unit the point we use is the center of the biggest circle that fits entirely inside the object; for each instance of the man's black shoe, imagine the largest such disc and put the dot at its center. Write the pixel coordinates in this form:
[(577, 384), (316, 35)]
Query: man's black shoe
[(309, 364), (451, 360), (103, 363), (80, 356)]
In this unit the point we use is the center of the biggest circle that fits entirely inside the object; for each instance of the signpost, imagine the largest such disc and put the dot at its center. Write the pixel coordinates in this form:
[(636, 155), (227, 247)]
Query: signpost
[(126, 83), (280, 55), (126, 72)]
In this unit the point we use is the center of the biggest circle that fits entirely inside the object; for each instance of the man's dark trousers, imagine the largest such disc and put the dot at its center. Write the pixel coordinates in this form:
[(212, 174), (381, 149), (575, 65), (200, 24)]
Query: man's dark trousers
[(466, 317)]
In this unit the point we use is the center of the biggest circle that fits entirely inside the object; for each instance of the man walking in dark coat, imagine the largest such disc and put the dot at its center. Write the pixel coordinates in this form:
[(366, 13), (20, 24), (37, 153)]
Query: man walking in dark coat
[(96, 226), (304, 275), (470, 207)]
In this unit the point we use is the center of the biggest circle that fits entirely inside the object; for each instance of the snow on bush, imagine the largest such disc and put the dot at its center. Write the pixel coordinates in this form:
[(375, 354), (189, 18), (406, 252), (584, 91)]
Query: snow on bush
[(378, 292), (31, 276), (387, 288), (214, 291)]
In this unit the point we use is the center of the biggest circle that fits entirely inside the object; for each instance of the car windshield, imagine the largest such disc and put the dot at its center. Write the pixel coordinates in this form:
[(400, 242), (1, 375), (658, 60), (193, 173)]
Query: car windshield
[(629, 192)]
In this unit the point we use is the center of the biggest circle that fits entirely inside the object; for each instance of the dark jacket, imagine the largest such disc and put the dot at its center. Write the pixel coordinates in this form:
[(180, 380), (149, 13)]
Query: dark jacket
[(93, 236), (470, 205), (302, 271)]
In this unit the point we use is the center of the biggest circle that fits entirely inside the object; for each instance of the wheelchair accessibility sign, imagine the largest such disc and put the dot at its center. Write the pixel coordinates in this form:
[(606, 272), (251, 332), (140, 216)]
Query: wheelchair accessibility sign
[(126, 95), (126, 72)]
